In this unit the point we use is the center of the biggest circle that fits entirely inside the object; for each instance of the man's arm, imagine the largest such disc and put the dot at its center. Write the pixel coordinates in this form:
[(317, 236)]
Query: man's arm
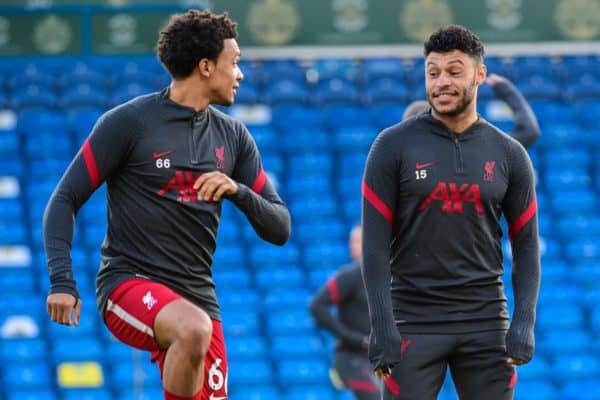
[(520, 209), (257, 198), (98, 157), (527, 130), (334, 292), (378, 200)]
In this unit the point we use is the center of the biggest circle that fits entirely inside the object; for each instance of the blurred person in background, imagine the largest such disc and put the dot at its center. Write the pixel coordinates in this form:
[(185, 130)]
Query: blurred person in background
[(434, 190), (350, 324), (169, 160), (526, 130)]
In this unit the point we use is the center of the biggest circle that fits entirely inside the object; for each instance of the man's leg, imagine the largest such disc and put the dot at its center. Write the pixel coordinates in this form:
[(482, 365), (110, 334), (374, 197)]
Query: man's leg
[(479, 368), (356, 374), (421, 371), (149, 316)]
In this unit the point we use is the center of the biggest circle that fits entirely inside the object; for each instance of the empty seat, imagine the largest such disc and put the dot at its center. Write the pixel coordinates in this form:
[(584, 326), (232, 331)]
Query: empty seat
[(297, 320), (246, 347), (297, 346), (302, 371), (574, 366), (284, 277), (537, 389), (250, 372), (19, 376)]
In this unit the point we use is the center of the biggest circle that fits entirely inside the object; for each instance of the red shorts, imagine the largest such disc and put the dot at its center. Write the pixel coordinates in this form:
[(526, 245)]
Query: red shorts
[(130, 313)]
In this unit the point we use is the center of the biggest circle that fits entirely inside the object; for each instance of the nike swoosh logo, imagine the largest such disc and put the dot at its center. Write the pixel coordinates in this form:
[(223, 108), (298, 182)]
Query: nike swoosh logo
[(213, 397), (161, 154), (425, 165)]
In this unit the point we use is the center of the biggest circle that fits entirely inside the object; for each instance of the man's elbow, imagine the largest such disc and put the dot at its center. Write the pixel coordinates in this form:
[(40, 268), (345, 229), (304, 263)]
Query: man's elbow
[(281, 235)]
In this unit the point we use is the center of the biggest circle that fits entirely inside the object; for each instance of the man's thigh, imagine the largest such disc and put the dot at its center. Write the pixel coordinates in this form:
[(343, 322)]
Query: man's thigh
[(479, 367), (421, 371)]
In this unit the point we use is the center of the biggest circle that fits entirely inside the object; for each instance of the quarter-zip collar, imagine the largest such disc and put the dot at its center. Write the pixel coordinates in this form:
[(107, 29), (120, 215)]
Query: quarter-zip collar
[(439, 128)]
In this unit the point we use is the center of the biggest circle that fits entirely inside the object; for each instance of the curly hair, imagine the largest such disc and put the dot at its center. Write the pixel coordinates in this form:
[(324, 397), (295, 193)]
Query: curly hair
[(455, 37), (190, 37)]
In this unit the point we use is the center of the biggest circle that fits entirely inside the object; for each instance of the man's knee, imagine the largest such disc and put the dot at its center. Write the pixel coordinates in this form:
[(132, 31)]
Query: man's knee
[(185, 324)]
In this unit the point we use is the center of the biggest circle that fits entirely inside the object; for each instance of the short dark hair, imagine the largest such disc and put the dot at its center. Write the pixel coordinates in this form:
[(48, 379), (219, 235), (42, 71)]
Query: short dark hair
[(455, 37), (190, 37)]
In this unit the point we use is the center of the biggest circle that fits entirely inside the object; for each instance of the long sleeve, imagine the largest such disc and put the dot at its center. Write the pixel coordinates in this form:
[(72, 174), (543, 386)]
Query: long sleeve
[(378, 200), (334, 293), (257, 198), (520, 209), (98, 157), (526, 130)]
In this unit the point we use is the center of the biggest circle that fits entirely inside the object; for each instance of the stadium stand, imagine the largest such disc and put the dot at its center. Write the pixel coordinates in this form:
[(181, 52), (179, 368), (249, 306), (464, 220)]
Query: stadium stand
[(336, 107)]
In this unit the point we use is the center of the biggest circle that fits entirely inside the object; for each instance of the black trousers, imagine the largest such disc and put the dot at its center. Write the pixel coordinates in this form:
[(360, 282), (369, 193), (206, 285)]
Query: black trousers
[(353, 371), (477, 363)]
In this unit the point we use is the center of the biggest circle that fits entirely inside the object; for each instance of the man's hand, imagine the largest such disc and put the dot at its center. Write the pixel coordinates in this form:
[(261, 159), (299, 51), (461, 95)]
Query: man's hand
[(515, 361), (63, 308), (212, 186), (384, 354), (493, 79)]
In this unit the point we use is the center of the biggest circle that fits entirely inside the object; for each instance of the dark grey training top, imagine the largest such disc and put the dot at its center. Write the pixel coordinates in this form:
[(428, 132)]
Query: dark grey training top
[(432, 203), (150, 151)]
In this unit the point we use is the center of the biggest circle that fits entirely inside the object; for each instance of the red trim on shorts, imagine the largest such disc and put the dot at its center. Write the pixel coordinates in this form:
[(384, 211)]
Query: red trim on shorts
[(392, 385), (362, 386), (513, 380)]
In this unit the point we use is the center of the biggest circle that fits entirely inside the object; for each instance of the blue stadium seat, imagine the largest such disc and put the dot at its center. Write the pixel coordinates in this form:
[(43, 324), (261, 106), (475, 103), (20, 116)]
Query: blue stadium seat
[(140, 394), (583, 86), (584, 389), (252, 392), (336, 116), (286, 92), (387, 114), (553, 316), (20, 376), (297, 320), (290, 69), (564, 341), (353, 139), (85, 348), (263, 254), (237, 322), (321, 254), (302, 372), (579, 249), (86, 394), (335, 91), (574, 366), (32, 394), (305, 140), (250, 372), (313, 207), (538, 389), (280, 278), (246, 347), (229, 256), (84, 94), (238, 298), (248, 94), (327, 68), (233, 278), (386, 90), (375, 68), (277, 298), (300, 116), (130, 374), (34, 95), (22, 350), (306, 231), (297, 346)]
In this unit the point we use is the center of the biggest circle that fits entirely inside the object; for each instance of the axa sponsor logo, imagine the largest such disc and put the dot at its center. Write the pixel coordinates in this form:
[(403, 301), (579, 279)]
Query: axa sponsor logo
[(453, 197), (182, 182)]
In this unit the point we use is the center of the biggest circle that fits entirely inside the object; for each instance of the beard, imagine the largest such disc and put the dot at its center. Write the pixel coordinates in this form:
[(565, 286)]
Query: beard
[(466, 98)]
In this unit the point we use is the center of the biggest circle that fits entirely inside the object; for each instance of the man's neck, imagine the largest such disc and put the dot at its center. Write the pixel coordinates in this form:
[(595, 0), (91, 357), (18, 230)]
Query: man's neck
[(188, 93), (457, 123)]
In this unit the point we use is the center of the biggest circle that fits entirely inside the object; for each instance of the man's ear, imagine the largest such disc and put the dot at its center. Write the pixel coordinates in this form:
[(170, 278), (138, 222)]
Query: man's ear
[(206, 67), (481, 73)]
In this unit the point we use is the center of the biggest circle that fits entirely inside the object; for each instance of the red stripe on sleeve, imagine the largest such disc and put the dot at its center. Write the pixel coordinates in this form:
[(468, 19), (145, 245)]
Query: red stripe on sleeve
[(90, 164), (392, 385), (523, 219), (334, 293), (377, 203), (259, 182)]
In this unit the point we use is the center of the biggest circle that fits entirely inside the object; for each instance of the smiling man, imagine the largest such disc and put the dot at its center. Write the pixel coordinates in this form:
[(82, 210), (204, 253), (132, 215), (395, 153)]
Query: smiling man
[(434, 190), (169, 160)]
